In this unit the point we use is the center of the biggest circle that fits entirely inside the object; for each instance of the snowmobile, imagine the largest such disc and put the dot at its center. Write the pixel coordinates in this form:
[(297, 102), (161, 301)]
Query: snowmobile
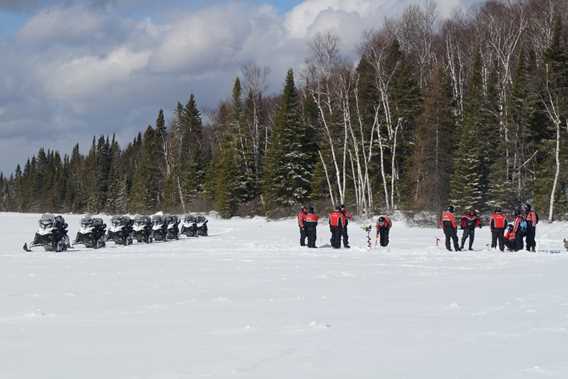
[(173, 227), (201, 223), (120, 230), (159, 227), (51, 234), (189, 226), (142, 229), (92, 233)]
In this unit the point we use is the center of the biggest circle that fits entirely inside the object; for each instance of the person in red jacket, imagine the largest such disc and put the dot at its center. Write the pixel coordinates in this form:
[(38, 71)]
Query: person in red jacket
[(336, 227), (384, 225), (532, 220), (301, 217), (519, 228), (510, 238), (498, 224), (310, 225), (469, 222), (346, 217), (450, 227)]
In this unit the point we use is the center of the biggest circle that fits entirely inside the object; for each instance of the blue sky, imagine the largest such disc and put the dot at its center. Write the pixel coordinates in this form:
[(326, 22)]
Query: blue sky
[(73, 69)]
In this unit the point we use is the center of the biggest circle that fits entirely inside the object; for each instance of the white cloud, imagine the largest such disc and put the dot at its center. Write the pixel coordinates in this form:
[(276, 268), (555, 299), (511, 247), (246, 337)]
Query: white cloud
[(92, 75), (63, 25)]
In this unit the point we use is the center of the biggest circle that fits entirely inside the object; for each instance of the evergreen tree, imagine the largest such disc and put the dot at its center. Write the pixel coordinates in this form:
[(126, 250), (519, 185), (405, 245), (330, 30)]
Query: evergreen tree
[(288, 173), (465, 183)]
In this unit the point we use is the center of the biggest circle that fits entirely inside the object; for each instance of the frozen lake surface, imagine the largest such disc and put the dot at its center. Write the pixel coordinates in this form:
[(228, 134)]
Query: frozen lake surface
[(247, 302)]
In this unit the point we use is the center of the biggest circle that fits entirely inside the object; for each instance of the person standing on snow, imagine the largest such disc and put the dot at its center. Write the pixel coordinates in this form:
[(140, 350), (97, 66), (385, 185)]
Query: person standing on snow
[(509, 238), (346, 217), (336, 227), (450, 226), (519, 228), (498, 224), (384, 225), (301, 217), (532, 220), (469, 222), (310, 226)]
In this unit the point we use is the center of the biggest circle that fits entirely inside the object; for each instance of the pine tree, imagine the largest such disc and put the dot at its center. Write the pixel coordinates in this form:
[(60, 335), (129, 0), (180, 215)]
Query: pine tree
[(288, 173), (465, 183)]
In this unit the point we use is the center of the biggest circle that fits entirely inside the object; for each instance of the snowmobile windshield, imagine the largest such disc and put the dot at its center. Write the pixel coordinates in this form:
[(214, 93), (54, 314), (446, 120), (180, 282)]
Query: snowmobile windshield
[(117, 221), (47, 221), (157, 221), (86, 222)]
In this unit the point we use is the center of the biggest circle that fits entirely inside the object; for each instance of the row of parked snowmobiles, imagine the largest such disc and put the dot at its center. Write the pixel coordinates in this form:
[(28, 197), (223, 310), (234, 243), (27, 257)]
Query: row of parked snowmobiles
[(123, 230)]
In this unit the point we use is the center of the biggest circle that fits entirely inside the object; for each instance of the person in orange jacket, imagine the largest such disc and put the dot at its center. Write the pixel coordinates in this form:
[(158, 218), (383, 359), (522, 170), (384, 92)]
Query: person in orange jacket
[(469, 222), (509, 237), (531, 219), (310, 225), (384, 225), (450, 227), (301, 217), (519, 229), (336, 227), (346, 217), (498, 223)]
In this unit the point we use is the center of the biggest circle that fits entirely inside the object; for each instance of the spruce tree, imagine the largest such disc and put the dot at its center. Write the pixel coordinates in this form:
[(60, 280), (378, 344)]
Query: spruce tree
[(289, 166), (465, 183)]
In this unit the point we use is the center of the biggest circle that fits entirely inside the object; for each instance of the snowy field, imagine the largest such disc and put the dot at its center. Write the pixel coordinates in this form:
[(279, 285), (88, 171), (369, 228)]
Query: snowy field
[(246, 302)]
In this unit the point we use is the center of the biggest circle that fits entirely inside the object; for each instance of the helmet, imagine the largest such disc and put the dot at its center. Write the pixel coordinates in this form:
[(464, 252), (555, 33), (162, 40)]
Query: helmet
[(342, 206), (498, 210), (311, 210), (528, 207), (517, 212), (451, 209), (338, 208), (381, 219)]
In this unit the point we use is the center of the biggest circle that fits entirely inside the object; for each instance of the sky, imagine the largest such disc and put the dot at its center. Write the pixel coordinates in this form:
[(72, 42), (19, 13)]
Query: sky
[(73, 69)]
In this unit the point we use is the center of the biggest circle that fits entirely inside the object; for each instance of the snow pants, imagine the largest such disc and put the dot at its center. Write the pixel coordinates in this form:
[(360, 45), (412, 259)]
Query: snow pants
[(530, 237), (384, 237), (498, 235), (311, 234), (336, 233), (303, 236), (468, 233), (451, 235), (519, 241)]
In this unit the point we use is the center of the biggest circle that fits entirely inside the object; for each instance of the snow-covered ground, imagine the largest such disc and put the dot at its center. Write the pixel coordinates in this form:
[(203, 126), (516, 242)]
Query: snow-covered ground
[(246, 302)]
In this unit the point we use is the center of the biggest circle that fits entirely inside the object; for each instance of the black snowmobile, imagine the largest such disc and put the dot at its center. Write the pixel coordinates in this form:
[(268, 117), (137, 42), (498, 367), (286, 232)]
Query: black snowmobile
[(173, 227), (159, 228), (120, 230), (189, 226), (92, 233), (142, 229), (51, 234), (201, 222)]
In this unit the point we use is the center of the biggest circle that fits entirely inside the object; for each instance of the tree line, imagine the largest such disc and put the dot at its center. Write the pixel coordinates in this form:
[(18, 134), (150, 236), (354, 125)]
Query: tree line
[(471, 111)]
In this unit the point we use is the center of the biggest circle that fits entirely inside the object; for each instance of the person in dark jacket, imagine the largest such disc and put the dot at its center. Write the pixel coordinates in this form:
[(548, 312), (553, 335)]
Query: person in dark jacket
[(469, 222), (336, 227), (346, 217), (310, 226), (519, 228), (450, 227), (301, 217), (531, 219), (384, 225), (498, 224)]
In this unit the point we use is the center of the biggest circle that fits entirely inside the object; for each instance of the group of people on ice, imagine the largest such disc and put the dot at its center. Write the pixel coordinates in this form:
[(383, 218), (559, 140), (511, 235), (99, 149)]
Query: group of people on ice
[(338, 226), (514, 235)]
